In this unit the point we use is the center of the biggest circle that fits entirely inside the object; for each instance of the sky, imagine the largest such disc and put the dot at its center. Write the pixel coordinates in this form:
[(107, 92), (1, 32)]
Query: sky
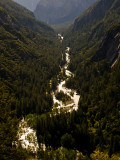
[(29, 4)]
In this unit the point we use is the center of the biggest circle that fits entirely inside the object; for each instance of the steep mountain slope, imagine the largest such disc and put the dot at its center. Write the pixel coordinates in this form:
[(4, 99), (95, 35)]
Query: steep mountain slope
[(95, 47), (29, 4), (26, 17), (110, 47), (56, 12), (30, 57), (89, 29), (94, 13), (33, 57), (28, 61)]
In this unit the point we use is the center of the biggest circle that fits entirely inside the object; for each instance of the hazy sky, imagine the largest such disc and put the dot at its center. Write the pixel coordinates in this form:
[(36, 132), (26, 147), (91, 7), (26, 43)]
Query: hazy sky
[(29, 4)]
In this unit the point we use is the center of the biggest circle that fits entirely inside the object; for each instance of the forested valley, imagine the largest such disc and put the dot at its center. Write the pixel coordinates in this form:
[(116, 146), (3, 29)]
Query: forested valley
[(31, 58), (28, 61)]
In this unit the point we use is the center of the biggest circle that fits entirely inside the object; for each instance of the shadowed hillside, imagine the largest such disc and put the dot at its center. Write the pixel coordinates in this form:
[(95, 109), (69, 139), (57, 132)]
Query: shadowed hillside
[(28, 61)]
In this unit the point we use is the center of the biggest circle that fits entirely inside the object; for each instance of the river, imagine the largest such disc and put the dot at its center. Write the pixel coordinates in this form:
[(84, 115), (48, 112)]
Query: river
[(73, 104), (26, 135)]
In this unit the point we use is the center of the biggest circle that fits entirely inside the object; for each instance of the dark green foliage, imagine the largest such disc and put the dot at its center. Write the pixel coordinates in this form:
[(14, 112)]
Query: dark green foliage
[(99, 87), (26, 18), (85, 36), (8, 129), (60, 154), (94, 78), (62, 96), (67, 141), (68, 130), (28, 61)]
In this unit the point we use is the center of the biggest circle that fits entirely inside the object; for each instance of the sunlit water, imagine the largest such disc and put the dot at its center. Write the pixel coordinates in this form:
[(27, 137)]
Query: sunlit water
[(61, 87), (26, 135)]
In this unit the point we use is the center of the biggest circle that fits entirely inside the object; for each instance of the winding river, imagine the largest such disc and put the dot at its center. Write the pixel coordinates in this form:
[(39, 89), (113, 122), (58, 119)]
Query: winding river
[(73, 104), (26, 135)]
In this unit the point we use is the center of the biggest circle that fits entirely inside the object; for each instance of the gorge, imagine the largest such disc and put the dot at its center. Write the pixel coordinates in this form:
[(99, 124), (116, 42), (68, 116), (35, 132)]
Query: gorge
[(60, 93)]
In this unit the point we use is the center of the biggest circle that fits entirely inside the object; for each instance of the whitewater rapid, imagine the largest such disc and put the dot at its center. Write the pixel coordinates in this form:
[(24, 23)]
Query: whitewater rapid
[(26, 135), (61, 87)]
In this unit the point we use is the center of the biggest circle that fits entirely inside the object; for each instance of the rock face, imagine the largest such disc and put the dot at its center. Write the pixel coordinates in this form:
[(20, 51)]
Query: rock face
[(110, 47), (94, 27), (55, 11)]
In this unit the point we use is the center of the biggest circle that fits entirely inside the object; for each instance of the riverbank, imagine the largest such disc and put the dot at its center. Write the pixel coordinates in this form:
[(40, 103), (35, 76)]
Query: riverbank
[(59, 105), (26, 135)]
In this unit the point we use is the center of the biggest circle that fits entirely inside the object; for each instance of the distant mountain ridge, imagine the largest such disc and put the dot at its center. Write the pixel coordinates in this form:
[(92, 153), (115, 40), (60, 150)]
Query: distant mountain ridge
[(55, 11)]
